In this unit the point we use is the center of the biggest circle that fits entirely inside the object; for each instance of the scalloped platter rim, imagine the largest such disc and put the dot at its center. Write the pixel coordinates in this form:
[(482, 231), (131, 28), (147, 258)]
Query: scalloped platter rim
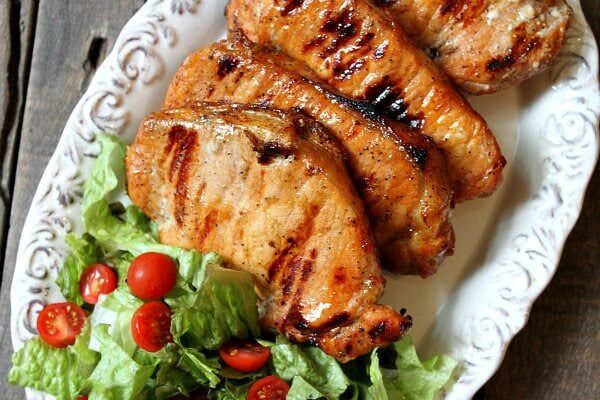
[(508, 246)]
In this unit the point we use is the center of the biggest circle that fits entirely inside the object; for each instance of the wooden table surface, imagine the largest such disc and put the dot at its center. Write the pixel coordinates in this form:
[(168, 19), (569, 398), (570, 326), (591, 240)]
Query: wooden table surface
[(48, 53)]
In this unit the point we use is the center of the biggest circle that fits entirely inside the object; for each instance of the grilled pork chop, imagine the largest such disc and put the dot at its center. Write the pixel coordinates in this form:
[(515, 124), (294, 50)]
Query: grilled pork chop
[(485, 45), (400, 174), (356, 48), (268, 191)]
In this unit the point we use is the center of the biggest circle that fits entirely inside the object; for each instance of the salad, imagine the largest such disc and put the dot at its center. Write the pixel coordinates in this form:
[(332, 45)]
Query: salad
[(143, 320)]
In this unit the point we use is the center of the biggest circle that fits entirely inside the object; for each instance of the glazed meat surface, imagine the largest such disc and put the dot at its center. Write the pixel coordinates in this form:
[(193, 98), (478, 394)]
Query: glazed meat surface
[(400, 174), (485, 45), (357, 49), (268, 191)]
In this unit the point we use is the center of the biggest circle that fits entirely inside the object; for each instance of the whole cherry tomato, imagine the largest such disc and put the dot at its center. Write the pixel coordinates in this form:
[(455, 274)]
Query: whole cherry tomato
[(151, 276)]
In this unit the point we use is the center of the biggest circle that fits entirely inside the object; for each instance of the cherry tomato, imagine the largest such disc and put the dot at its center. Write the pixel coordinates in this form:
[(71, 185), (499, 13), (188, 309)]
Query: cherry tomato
[(245, 356), (59, 323), (82, 398), (269, 388), (97, 279), (151, 276), (151, 326)]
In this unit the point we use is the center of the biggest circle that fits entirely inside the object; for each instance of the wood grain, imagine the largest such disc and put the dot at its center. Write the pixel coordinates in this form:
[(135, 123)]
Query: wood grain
[(17, 27), (61, 67)]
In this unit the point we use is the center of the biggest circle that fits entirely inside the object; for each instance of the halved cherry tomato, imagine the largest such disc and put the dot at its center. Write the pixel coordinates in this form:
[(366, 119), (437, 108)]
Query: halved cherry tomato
[(269, 388), (151, 276), (97, 279), (59, 323), (151, 326), (245, 356)]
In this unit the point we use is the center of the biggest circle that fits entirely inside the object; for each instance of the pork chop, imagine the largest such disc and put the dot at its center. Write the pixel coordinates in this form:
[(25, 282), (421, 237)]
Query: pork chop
[(400, 174), (268, 191), (356, 48), (485, 45)]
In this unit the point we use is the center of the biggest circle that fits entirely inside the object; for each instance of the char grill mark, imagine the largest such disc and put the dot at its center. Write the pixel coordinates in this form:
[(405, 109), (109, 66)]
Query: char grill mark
[(291, 7), (365, 108), (520, 49), (314, 42), (378, 330), (182, 142), (209, 224), (344, 71), (227, 65), (294, 243), (387, 99), (419, 154), (302, 269), (384, 3), (379, 52), (295, 319), (342, 28), (338, 319), (464, 11), (268, 151)]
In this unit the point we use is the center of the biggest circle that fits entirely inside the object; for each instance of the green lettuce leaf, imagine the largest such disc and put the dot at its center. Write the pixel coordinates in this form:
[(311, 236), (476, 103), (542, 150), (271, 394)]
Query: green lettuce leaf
[(416, 380), (302, 390), (377, 389), (117, 376), (318, 370), (121, 261), (60, 372), (122, 304), (182, 370), (84, 251), (203, 370), (229, 391), (223, 307), (137, 219)]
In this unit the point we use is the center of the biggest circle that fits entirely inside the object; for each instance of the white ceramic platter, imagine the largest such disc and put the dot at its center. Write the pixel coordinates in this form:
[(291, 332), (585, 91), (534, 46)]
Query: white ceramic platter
[(508, 246)]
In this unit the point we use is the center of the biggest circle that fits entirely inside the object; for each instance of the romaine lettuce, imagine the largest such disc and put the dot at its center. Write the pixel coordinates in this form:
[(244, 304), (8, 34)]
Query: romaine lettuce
[(60, 372), (117, 376), (230, 391), (416, 380), (320, 372), (377, 389), (122, 303), (223, 307)]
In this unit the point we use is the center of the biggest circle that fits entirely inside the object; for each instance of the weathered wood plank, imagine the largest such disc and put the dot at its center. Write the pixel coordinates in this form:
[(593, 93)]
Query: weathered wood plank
[(591, 9), (17, 25), (59, 75)]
